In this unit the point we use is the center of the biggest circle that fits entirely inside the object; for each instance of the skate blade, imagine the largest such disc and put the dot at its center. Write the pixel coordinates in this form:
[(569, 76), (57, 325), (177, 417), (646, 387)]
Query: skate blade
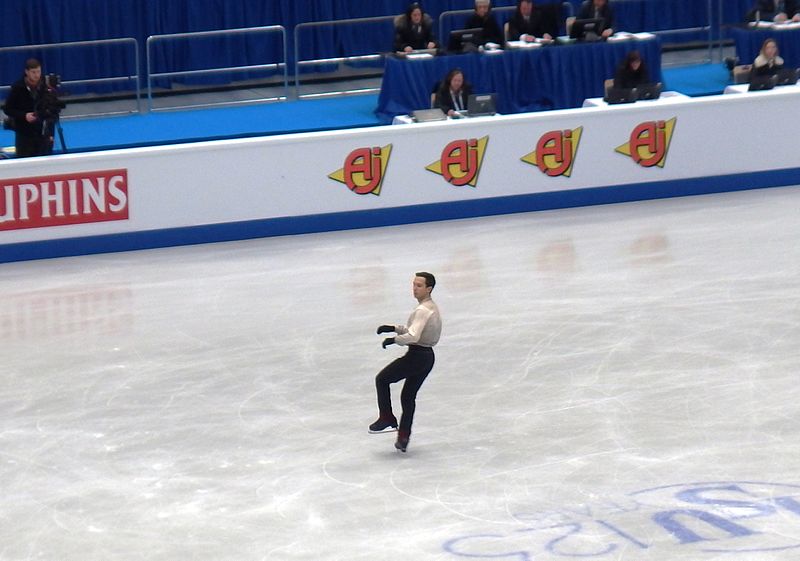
[(390, 430)]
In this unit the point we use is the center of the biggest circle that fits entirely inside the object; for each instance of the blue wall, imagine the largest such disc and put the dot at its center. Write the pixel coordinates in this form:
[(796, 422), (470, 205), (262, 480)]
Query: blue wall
[(26, 22)]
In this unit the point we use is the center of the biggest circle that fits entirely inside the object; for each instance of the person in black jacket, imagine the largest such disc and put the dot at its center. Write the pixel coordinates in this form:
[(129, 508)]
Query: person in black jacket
[(483, 19), (768, 62), (34, 135), (774, 10), (527, 23), (592, 9), (453, 93), (632, 72), (414, 30)]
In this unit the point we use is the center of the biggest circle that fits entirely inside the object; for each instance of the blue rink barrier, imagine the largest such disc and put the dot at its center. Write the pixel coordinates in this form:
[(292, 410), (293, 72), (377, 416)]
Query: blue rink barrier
[(396, 216)]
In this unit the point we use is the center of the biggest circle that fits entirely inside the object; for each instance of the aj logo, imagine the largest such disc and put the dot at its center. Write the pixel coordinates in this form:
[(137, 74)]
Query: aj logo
[(461, 161), (555, 152), (364, 170), (649, 143)]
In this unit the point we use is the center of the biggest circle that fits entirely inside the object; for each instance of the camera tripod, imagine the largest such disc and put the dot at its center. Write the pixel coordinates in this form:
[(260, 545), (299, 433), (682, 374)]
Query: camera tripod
[(54, 125), (60, 130)]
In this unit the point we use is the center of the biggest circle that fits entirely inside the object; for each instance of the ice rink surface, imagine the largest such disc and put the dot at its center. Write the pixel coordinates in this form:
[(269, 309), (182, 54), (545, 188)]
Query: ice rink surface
[(615, 383)]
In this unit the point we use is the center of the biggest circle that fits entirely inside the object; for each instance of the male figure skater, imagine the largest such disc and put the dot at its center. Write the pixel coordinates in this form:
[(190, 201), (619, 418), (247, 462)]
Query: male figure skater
[(421, 333)]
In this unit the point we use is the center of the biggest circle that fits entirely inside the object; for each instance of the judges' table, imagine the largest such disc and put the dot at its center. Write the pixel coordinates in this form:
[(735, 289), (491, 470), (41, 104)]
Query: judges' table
[(666, 98), (748, 42), (549, 77)]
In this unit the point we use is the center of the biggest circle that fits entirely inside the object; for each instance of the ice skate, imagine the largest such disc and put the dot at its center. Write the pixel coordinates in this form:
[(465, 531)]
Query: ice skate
[(402, 441), (385, 423)]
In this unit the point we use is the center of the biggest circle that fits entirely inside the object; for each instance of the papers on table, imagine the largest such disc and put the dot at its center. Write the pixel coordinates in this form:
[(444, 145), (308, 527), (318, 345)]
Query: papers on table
[(524, 44), (537, 42), (626, 36), (775, 26)]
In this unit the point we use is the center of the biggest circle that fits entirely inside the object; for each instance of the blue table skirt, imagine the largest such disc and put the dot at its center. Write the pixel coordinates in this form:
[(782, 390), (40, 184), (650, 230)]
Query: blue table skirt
[(748, 44), (552, 77)]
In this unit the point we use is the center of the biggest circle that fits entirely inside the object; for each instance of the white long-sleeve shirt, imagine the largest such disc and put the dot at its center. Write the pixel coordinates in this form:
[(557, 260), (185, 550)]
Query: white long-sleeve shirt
[(424, 326)]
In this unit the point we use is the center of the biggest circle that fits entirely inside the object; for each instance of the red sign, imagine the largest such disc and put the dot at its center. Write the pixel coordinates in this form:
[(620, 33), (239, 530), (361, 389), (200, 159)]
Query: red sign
[(364, 170), (463, 155), (59, 200)]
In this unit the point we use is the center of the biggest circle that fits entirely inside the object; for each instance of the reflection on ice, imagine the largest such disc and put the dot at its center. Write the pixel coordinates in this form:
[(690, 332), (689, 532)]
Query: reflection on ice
[(614, 383)]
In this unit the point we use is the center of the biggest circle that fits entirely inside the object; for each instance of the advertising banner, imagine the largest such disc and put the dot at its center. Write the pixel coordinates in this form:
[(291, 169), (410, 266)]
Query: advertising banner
[(394, 167)]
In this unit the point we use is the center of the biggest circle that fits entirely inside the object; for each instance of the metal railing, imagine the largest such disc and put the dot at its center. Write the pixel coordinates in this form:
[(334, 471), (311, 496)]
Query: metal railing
[(133, 75), (173, 37), (708, 28), (301, 63), (100, 43)]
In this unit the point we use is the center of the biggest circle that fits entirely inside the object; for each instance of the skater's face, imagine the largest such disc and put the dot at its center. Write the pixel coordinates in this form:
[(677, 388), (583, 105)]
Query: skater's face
[(420, 290)]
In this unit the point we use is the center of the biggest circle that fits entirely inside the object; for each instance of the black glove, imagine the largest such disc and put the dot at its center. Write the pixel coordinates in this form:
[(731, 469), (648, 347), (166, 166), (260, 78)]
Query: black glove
[(385, 329), (388, 341)]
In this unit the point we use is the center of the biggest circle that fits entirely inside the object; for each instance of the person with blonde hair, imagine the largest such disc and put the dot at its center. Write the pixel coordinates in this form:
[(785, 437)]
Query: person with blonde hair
[(768, 62)]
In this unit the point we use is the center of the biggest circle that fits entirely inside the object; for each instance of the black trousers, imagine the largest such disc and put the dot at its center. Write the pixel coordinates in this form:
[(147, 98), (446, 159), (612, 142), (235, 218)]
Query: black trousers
[(414, 367), (27, 146)]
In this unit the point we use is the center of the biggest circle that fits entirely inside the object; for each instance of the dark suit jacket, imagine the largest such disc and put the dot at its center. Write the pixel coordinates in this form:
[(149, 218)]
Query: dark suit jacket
[(606, 12), (537, 25), (22, 101), (768, 9), (444, 100), (491, 30), (627, 78), (763, 67), (406, 35)]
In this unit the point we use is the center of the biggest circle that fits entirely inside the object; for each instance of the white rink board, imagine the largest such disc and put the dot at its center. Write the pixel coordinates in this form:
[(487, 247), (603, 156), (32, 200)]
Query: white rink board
[(289, 176)]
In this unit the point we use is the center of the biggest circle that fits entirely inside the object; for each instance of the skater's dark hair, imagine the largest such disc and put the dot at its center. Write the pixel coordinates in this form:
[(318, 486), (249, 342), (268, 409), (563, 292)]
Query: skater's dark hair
[(430, 280)]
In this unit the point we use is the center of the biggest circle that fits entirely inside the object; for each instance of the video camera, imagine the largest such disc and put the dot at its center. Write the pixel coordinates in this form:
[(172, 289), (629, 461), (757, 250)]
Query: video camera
[(49, 106)]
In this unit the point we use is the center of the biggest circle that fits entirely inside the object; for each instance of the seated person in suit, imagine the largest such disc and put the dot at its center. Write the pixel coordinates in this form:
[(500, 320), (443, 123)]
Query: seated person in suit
[(592, 9), (778, 11), (413, 30), (453, 93), (527, 23), (632, 72), (767, 63), (483, 19)]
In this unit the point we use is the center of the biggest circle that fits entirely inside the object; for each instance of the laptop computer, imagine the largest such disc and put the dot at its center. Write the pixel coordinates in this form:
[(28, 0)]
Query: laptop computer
[(481, 105), (786, 77), (465, 40), (428, 115), (761, 83), (649, 91), (587, 29), (615, 96)]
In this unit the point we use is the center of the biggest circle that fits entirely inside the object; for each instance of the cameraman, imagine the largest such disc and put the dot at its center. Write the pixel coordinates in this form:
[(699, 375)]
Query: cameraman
[(34, 132)]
